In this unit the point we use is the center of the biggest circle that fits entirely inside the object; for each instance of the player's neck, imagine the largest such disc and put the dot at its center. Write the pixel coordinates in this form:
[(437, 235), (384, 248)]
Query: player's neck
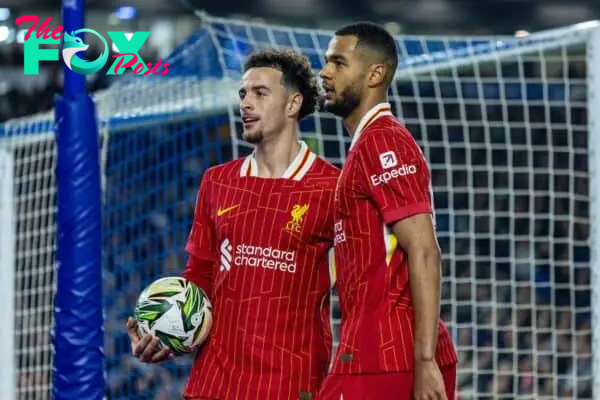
[(274, 156), (353, 119)]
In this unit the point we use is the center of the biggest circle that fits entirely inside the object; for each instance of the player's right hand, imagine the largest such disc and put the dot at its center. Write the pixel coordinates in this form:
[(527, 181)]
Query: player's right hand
[(146, 348), (429, 382)]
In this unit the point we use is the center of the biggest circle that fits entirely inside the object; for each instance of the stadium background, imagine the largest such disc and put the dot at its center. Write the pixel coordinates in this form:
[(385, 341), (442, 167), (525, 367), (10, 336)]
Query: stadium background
[(517, 277)]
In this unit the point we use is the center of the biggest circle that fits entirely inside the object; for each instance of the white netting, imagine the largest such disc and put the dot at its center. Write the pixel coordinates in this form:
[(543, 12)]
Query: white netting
[(502, 122), (34, 263)]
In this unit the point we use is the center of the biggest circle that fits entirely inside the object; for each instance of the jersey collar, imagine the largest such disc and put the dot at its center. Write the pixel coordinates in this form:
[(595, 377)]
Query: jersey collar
[(380, 110), (295, 171)]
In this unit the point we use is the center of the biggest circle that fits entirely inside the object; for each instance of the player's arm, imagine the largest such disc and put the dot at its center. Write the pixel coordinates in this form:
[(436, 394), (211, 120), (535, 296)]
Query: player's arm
[(399, 183), (198, 270), (416, 236), (201, 246)]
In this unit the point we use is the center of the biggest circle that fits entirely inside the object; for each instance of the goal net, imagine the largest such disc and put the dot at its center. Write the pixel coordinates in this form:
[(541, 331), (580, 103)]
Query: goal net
[(504, 123)]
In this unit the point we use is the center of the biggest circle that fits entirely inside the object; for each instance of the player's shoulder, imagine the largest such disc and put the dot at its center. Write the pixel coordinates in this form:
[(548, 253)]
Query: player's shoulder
[(224, 171), (389, 132), (325, 168), (388, 127), (322, 174)]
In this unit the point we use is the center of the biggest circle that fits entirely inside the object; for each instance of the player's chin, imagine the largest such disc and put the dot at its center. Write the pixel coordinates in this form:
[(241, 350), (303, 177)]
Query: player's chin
[(327, 103), (252, 136), (331, 106)]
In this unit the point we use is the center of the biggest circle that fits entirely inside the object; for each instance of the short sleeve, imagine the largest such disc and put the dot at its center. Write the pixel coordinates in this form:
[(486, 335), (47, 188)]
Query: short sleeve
[(397, 175), (201, 240)]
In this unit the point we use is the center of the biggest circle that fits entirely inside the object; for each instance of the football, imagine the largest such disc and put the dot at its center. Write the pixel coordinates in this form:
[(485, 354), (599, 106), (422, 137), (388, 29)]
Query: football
[(176, 311)]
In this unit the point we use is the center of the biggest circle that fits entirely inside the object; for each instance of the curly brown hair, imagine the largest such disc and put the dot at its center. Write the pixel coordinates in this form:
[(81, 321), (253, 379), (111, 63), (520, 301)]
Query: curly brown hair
[(297, 74)]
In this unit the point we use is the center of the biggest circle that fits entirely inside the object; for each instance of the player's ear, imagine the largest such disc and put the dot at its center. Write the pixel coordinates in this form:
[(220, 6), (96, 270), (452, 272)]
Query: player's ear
[(376, 75), (294, 103)]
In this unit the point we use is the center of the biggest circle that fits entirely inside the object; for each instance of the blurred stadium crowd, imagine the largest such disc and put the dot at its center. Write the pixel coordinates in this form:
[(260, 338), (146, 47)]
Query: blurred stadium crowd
[(511, 200), (23, 95)]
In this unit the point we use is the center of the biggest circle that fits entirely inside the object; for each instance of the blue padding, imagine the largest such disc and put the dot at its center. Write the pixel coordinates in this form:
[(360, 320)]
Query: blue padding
[(78, 334)]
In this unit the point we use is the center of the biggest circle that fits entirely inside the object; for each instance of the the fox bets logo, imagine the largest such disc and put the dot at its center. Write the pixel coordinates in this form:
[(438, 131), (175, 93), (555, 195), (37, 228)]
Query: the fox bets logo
[(128, 48)]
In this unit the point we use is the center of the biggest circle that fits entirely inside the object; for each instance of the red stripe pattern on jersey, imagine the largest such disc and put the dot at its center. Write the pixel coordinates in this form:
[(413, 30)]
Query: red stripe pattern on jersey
[(385, 179), (269, 241)]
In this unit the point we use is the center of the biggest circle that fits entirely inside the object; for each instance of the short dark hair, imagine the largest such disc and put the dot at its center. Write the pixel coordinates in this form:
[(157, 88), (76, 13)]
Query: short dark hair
[(376, 39), (297, 74)]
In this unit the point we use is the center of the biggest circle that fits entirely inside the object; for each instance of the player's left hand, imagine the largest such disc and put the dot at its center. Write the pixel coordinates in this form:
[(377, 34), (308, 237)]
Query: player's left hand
[(429, 383)]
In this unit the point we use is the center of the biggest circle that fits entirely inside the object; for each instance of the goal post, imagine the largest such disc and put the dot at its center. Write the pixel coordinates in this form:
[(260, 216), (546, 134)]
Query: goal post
[(593, 96), (509, 127), (7, 275)]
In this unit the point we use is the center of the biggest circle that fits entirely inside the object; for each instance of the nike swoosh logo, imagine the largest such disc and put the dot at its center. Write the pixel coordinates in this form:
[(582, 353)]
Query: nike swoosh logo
[(222, 211)]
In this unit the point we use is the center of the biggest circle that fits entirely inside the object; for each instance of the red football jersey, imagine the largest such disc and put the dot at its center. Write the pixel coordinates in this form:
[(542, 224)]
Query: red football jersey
[(269, 243), (385, 179)]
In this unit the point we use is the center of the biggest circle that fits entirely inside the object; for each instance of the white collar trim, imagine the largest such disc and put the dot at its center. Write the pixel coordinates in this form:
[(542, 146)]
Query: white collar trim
[(380, 110), (295, 171)]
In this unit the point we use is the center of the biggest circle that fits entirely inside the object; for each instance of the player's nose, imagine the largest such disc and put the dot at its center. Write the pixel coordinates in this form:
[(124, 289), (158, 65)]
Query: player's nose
[(246, 105), (325, 74)]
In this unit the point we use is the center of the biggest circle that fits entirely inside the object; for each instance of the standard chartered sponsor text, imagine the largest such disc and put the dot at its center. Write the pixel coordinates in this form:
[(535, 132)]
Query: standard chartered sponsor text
[(265, 257)]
